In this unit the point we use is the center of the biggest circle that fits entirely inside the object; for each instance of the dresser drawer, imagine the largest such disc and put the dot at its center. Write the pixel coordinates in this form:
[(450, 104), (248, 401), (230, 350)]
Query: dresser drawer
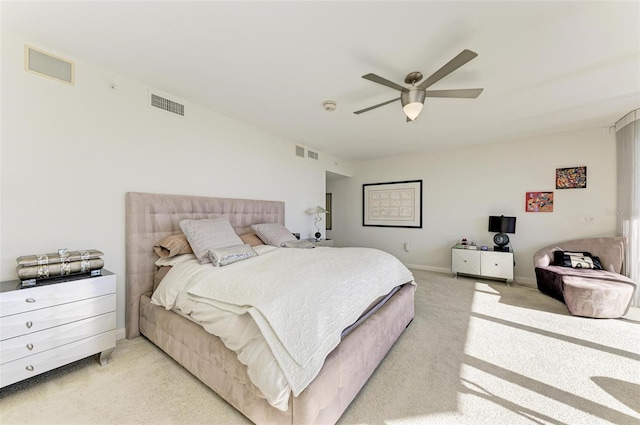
[(37, 342), (29, 299), (38, 320), (27, 367)]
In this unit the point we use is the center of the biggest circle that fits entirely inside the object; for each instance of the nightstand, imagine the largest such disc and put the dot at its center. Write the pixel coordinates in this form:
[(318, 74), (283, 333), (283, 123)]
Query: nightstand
[(48, 326), (322, 242), (488, 264)]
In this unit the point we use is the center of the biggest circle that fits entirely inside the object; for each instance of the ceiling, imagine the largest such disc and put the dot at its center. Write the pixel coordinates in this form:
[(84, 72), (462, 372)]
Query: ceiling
[(546, 67)]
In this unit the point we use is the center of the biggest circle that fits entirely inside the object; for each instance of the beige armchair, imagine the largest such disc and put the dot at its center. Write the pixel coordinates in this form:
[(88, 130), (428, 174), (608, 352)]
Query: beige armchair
[(586, 292)]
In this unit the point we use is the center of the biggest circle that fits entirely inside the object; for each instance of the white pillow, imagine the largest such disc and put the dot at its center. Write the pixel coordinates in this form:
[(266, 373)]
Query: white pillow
[(209, 233), (274, 234)]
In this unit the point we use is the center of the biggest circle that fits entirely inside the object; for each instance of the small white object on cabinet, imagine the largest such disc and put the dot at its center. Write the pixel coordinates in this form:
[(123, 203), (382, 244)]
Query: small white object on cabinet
[(45, 327), (488, 264)]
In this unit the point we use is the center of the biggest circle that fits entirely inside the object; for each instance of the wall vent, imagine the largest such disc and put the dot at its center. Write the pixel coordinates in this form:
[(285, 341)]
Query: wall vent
[(312, 154), (47, 65), (299, 151), (166, 104)]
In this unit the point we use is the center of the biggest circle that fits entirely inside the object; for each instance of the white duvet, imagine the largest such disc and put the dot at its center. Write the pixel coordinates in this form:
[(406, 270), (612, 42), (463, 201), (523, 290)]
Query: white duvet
[(282, 312)]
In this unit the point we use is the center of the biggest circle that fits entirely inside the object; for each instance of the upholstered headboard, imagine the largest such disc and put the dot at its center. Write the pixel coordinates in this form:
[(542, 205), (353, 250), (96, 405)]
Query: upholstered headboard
[(152, 216)]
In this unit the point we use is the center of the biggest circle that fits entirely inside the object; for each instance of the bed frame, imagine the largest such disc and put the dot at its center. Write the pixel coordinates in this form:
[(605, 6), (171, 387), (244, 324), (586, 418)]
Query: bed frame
[(151, 217)]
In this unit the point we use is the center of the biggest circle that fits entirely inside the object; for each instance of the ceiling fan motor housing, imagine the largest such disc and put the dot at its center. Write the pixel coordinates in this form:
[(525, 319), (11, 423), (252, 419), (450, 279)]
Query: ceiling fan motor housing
[(413, 95)]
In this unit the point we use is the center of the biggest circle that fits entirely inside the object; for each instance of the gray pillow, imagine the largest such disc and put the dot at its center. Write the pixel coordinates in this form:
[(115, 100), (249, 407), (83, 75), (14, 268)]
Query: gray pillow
[(273, 234), (207, 234), (298, 244), (224, 256)]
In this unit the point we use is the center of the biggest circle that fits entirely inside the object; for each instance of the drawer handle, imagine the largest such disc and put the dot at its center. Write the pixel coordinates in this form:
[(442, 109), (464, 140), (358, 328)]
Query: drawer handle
[(29, 324), (30, 347), (30, 300), (29, 368)]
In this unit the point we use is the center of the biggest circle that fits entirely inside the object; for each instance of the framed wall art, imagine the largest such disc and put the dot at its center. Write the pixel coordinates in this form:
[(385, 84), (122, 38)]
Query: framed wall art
[(571, 178), (392, 204), (539, 202)]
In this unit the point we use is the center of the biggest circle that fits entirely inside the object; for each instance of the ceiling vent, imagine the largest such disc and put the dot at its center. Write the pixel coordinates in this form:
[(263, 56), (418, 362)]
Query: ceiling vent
[(165, 104), (299, 151), (47, 65), (312, 154)]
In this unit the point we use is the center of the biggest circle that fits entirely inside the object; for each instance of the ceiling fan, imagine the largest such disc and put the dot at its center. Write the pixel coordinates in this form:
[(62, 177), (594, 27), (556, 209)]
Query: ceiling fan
[(412, 97)]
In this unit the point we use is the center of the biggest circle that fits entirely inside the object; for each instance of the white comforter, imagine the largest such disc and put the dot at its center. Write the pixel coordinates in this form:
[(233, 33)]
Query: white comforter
[(299, 299)]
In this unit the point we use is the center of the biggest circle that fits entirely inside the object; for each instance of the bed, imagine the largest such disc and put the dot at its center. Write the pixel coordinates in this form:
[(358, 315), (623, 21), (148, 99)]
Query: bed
[(151, 217)]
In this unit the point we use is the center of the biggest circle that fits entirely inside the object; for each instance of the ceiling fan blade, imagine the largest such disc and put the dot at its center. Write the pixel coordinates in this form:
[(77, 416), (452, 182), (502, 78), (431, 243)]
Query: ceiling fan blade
[(459, 93), (455, 63), (375, 106), (377, 79)]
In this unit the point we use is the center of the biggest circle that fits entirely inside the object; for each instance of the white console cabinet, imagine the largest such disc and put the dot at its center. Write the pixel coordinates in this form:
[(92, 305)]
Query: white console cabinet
[(488, 264), (45, 327)]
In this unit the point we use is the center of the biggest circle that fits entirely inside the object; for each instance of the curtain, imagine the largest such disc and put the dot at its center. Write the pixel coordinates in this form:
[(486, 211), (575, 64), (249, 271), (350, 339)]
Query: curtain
[(628, 173)]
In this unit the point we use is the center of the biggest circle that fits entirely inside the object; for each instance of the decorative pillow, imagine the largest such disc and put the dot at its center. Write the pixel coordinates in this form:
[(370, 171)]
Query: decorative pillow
[(576, 260), (172, 261), (298, 244), (273, 234), (224, 256), (251, 239), (207, 234), (173, 245), (160, 274)]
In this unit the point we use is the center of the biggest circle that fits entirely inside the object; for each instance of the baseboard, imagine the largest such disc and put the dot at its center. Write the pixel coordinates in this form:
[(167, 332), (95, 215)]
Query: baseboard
[(429, 268), (121, 333), (520, 280)]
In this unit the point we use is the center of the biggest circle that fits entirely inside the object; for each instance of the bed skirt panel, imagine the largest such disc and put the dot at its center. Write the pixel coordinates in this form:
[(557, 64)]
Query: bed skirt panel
[(206, 357), (344, 373), (350, 365)]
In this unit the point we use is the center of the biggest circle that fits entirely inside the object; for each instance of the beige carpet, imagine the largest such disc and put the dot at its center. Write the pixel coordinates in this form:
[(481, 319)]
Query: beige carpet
[(478, 352)]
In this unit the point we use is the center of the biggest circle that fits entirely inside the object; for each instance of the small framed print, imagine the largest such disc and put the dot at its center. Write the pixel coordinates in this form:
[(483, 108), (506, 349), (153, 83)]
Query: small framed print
[(539, 202), (571, 178)]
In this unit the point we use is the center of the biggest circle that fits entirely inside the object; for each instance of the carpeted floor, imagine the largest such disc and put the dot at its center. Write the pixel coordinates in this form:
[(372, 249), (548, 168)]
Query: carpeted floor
[(477, 352)]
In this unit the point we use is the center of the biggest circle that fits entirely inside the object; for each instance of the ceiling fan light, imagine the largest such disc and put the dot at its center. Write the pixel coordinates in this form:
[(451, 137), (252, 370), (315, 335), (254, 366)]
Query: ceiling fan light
[(412, 110), (412, 102)]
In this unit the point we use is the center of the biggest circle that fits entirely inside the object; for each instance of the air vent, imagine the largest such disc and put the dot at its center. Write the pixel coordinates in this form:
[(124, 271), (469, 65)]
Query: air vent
[(312, 155), (167, 105), (47, 65), (299, 151)]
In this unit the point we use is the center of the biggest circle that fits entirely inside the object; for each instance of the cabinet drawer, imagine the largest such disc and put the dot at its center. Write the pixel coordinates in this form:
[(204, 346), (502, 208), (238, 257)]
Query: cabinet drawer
[(27, 367), (465, 261), (29, 299), (497, 265), (38, 320), (37, 342)]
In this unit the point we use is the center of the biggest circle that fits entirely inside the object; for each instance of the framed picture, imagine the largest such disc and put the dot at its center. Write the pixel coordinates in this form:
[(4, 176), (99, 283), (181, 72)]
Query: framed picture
[(327, 215), (393, 204), (539, 202), (571, 178)]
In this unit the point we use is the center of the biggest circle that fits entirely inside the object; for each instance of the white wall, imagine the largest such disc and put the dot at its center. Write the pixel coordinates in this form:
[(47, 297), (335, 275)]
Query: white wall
[(70, 153), (462, 187)]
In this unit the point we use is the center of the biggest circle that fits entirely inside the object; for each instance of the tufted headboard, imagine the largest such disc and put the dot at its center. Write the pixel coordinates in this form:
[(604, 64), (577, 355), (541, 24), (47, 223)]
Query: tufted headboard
[(152, 216)]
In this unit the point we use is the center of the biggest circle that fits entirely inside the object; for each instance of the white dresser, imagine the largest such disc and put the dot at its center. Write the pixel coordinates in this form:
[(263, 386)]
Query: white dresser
[(45, 327), (489, 264)]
